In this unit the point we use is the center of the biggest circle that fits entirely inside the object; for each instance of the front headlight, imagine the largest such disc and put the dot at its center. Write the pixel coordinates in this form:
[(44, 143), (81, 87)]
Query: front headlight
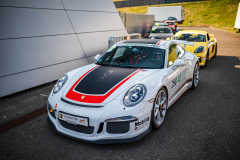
[(60, 83), (199, 49), (134, 95)]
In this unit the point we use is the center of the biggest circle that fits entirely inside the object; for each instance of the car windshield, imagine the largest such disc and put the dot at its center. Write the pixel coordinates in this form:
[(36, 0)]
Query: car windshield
[(161, 30), (171, 18), (190, 37), (134, 57), (170, 23), (160, 24)]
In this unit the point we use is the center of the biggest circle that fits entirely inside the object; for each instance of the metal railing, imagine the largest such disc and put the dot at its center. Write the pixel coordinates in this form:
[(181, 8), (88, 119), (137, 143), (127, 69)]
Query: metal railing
[(115, 39)]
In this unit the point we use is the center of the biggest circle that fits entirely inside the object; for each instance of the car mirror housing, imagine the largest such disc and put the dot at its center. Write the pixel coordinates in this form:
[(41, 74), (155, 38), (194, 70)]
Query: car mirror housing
[(212, 40), (97, 57), (178, 63)]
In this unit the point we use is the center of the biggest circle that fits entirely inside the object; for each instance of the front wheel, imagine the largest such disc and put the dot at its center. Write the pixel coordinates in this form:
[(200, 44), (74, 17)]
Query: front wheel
[(159, 108), (195, 76)]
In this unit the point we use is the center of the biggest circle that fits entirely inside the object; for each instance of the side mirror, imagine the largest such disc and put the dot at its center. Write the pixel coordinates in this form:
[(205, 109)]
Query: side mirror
[(178, 63), (212, 40), (168, 38), (97, 57)]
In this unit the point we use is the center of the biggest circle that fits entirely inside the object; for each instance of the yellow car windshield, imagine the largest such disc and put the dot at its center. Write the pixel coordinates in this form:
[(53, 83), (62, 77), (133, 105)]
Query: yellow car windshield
[(191, 37)]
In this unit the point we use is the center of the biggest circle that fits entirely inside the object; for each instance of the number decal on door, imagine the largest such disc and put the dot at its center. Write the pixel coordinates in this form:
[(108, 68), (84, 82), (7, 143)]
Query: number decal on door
[(176, 80)]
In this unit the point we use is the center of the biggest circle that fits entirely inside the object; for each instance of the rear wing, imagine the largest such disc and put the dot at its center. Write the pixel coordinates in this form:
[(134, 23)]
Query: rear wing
[(184, 42)]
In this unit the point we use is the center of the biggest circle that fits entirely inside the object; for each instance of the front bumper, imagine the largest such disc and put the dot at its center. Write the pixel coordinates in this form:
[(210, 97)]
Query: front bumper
[(201, 58), (100, 132), (102, 141)]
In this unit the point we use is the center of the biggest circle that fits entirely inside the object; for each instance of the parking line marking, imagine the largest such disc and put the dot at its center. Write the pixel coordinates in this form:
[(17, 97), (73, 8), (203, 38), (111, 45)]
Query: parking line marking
[(23, 119)]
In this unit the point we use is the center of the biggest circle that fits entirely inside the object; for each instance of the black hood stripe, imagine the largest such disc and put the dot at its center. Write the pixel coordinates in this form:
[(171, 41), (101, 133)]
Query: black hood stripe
[(102, 79)]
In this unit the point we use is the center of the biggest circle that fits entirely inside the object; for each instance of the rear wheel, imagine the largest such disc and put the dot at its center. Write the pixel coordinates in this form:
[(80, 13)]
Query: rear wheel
[(215, 52), (195, 76), (159, 108)]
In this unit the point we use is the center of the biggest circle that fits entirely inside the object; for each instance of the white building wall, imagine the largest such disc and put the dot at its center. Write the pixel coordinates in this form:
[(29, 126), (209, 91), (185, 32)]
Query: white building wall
[(42, 40)]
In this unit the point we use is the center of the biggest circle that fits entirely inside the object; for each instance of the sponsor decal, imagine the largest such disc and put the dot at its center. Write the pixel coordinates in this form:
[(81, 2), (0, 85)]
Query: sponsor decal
[(176, 80), (56, 105), (179, 78), (82, 97), (60, 115), (144, 70), (105, 75), (141, 124), (83, 121)]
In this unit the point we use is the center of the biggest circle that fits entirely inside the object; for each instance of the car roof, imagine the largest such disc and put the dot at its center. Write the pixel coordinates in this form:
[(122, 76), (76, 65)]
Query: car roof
[(148, 41), (192, 31)]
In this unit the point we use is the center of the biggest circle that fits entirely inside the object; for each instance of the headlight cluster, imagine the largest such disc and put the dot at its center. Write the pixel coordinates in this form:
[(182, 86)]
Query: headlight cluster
[(134, 95), (199, 49), (60, 83)]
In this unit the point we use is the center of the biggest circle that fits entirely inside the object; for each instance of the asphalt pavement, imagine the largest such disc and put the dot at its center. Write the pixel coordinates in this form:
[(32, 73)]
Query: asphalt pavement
[(203, 123)]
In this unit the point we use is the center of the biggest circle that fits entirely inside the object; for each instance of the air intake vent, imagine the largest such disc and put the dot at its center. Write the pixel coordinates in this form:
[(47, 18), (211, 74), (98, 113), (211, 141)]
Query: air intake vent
[(117, 127)]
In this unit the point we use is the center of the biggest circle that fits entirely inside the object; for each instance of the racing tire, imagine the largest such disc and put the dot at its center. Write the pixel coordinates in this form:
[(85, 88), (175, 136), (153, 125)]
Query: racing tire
[(207, 59), (195, 80), (159, 108), (215, 52)]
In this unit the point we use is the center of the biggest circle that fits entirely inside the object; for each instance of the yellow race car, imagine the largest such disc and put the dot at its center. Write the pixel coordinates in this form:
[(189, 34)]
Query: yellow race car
[(204, 44)]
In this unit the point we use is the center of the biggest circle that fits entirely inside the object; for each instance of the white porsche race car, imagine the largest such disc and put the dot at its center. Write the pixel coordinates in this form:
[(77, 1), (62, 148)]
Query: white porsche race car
[(124, 94)]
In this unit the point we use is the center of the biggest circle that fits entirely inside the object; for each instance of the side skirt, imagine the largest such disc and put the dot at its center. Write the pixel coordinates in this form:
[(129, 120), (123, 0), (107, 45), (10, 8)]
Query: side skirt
[(182, 90)]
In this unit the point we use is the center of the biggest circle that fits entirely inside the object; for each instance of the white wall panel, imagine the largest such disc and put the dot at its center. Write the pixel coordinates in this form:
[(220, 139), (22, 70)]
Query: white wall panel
[(91, 5), (96, 43), (56, 4), (22, 22), (40, 45), (30, 53), (22, 81), (95, 21)]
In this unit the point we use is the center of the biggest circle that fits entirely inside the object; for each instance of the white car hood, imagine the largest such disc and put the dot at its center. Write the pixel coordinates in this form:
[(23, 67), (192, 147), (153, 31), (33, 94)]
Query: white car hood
[(97, 85)]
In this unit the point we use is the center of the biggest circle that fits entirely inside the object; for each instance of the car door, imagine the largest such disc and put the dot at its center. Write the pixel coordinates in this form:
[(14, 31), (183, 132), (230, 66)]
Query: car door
[(184, 71), (210, 46), (174, 74)]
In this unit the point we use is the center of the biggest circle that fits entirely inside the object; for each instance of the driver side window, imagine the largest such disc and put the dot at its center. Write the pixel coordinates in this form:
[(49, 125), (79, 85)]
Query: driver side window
[(172, 56), (180, 51)]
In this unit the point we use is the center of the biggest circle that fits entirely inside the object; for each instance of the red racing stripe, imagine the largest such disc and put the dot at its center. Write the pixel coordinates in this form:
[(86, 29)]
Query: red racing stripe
[(93, 98)]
